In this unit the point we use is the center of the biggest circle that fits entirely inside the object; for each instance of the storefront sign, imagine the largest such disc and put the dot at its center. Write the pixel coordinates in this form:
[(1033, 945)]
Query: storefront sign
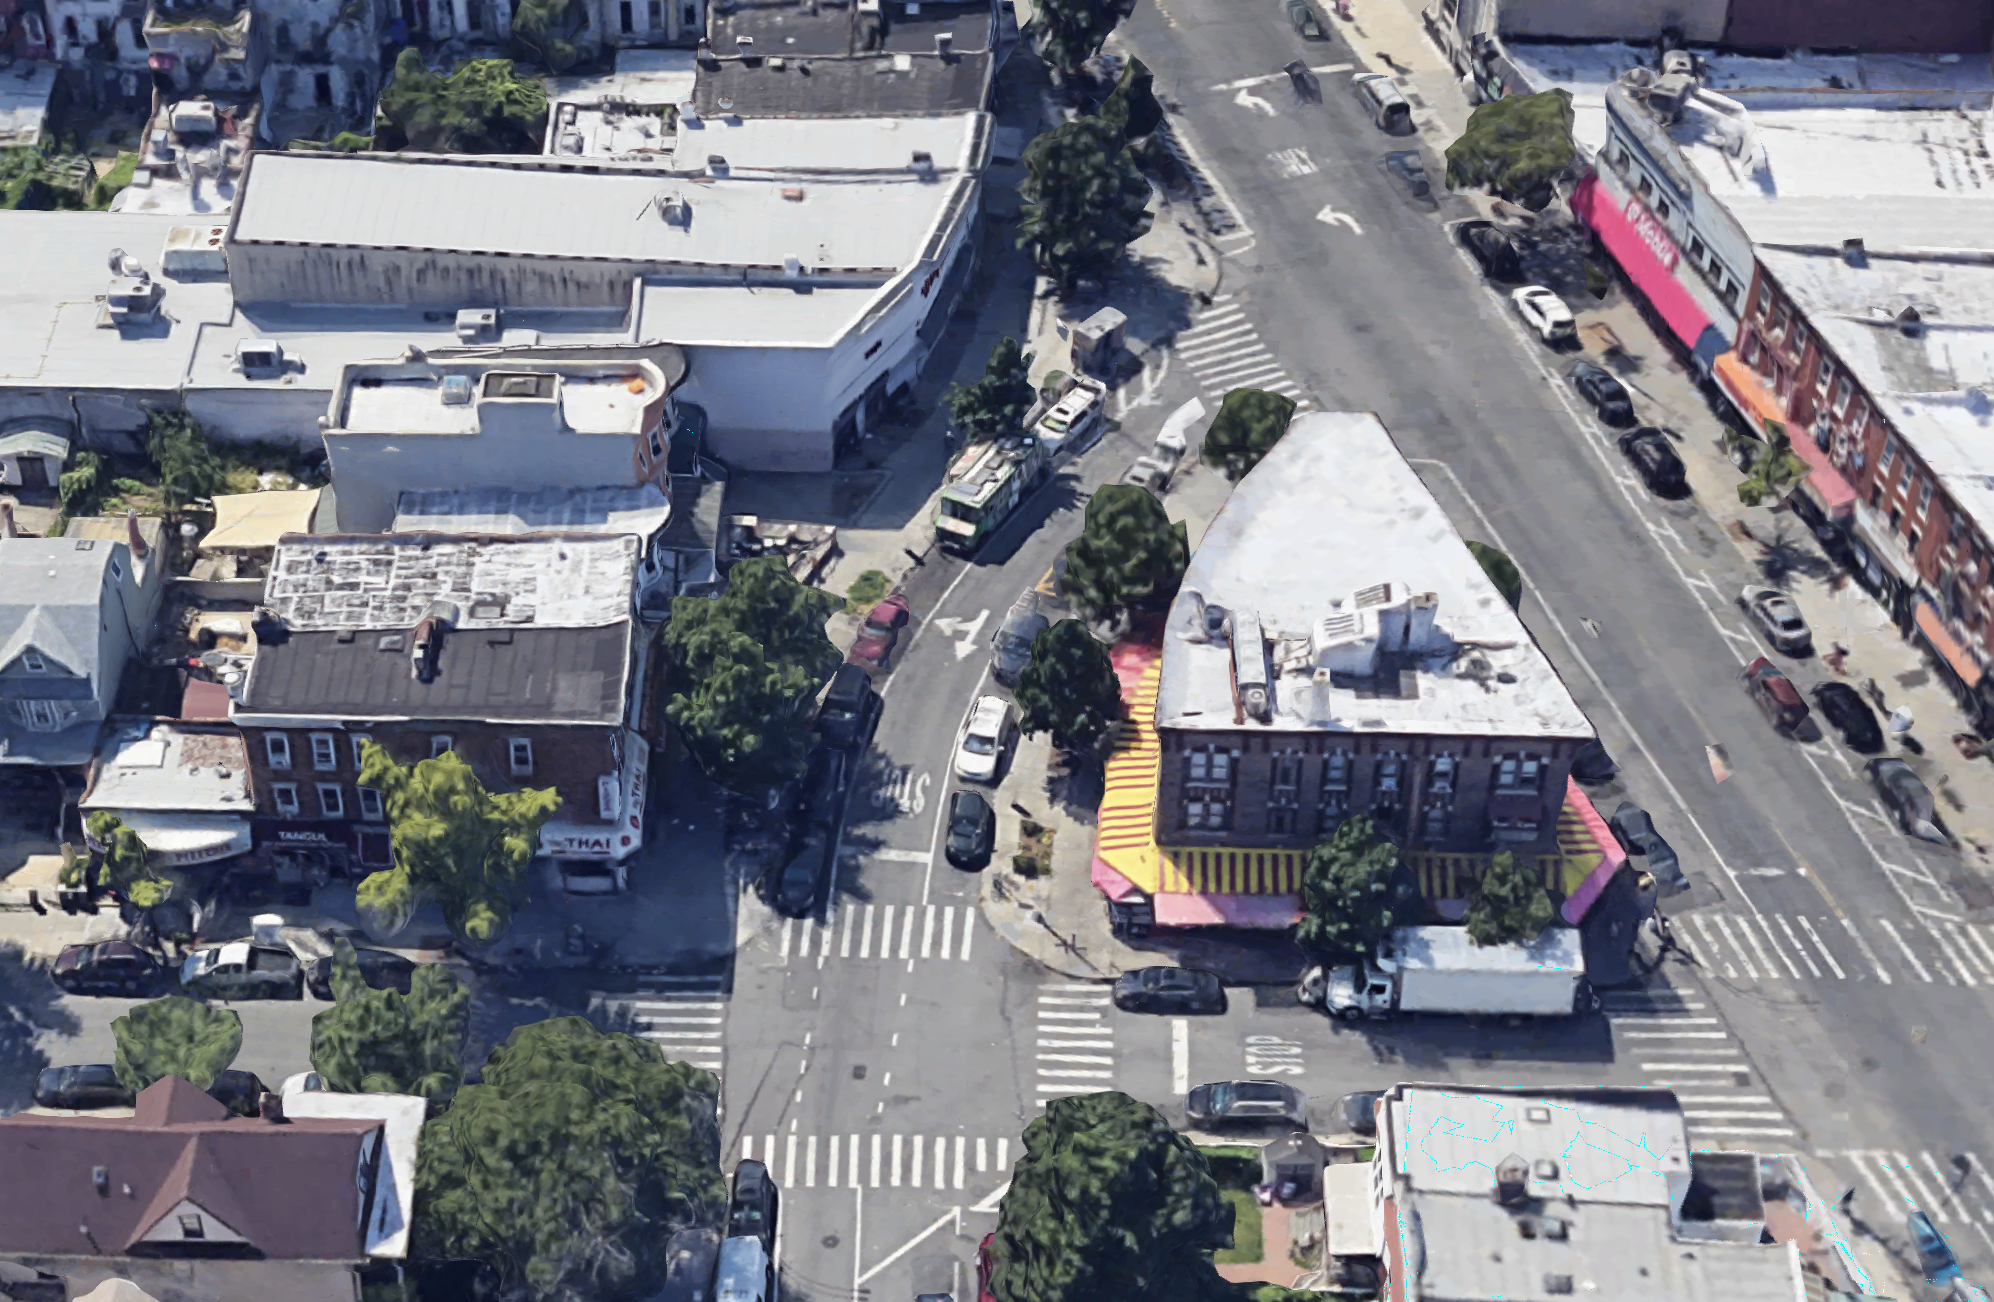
[(304, 836), (1652, 233), (577, 843)]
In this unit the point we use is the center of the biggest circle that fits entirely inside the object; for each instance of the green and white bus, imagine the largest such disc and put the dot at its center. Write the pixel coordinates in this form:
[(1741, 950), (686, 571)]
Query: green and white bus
[(985, 485)]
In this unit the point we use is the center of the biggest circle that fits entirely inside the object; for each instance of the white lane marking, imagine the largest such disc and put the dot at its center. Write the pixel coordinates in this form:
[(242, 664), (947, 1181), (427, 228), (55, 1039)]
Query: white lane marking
[(1799, 948), (1827, 956), (1247, 99), (1739, 1065), (1707, 930), (787, 925), (1330, 217), (967, 927), (948, 929), (1767, 926), (1944, 942), (1677, 1035), (1904, 949), (845, 943), (928, 933), (896, 1161), (1876, 963), (906, 929)]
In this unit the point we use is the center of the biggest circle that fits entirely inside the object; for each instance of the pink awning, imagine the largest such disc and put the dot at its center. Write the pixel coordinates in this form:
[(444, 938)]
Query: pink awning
[(1611, 856), (1111, 883), (1271, 912), (1641, 245)]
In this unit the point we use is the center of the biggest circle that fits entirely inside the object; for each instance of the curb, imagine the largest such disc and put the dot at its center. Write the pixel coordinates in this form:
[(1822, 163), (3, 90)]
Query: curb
[(1024, 929)]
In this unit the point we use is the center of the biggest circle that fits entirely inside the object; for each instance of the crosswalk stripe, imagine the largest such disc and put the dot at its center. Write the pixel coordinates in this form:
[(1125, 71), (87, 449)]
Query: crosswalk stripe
[(948, 931), (1902, 1194), (1739, 1065), (789, 1162), (981, 1156), (1946, 942), (1094, 986), (865, 937), (1973, 934), (1722, 1098), (1213, 321), (875, 1160), (1773, 940), (1827, 956), (1689, 941), (1235, 376), (1724, 925), (1045, 1014), (1225, 358), (1097, 1001), (916, 1181), (1744, 1130), (1799, 948), (1663, 1021), (928, 933), (1909, 957), (1949, 1196), (810, 1164), (1677, 1035), (1076, 1044), (896, 1161), (1240, 336), (1723, 1114), (906, 929), (1076, 1057)]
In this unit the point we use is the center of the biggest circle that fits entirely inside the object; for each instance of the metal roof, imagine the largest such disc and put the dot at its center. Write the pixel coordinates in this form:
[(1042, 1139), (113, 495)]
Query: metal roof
[(34, 443), (640, 510)]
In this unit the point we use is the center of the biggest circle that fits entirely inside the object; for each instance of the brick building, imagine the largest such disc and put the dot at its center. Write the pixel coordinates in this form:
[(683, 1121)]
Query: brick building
[(521, 654)]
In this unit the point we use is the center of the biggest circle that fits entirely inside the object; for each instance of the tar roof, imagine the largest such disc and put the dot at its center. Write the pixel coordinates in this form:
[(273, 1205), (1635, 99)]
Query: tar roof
[(387, 581), (639, 510), (1333, 510), (149, 765), (952, 141), (865, 85)]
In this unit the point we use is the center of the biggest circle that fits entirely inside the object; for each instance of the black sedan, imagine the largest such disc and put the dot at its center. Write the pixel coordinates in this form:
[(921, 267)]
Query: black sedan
[(1170, 990), (93, 1085), (752, 1211), (795, 889), (378, 968), (1908, 798), (1593, 764), (111, 967), (1637, 835), (1491, 249), (1843, 706), (1247, 1102), (972, 829), (1654, 456), (1607, 395), (1358, 1113)]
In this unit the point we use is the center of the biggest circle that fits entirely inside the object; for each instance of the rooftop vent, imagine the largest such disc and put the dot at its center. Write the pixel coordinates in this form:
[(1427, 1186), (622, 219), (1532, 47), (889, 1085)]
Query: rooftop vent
[(1544, 1169), (456, 390), (745, 44), (1512, 1179), (716, 165), (1557, 1283), (1537, 1115), (792, 268), (1249, 663), (1667, 96), (438, 618), (259, 356), (1912, 322), (944, 43), (672, 208), (100, 1176), (476, 324), (924, 165), (1854, 254), (1679, 63), (688, 111)]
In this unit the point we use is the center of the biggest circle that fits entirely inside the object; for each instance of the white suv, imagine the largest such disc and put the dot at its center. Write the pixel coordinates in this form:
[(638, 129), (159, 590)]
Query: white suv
[(1072, 418), (1545, 313), (986, 732)]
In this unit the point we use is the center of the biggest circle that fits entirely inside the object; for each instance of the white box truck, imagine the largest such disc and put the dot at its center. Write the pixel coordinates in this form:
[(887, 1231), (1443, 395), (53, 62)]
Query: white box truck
[(1442, 970)]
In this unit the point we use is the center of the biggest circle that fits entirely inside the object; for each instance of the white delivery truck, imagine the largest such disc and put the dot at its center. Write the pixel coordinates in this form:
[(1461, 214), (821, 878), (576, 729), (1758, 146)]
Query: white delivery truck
[(1442, 970)]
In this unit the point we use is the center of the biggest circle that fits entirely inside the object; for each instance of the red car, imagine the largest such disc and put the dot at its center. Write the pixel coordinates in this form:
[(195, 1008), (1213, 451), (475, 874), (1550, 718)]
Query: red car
[(880, 631), (986, 1266), (1775, 694)]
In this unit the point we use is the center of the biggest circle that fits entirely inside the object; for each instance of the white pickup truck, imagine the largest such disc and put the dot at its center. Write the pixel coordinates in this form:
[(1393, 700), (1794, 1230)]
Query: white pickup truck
[(1069, 425), (240, 970)]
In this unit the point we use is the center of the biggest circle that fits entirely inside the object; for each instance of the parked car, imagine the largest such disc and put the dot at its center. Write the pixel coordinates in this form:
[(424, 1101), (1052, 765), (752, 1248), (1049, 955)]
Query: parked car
[(1637, 835), (1357, 1113), (111, 967), (1775, 694), (1545, 313), (753, 1209), (1308, 87), (380, 969), (972, 830), (746, 1272), (849, 711), (1247, 1101), (1407, 169), (1593, 764), (1169, 990), (1351, 1277), (1303, 20), (985, 736), (93, 1085), (797, 886), (1777, 617), (1011, 644), (1150, 473), (1383, 100), (1491, 249), (1607, 395), (1655, 460), (241, 1092), (1907, 796), (305, 1082), (240, 970), (880, 631), (1843, 706), (1079, 411)]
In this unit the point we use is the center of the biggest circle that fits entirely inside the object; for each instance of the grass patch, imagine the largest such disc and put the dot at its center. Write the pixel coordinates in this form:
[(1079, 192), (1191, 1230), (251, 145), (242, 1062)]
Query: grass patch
[(1234, 1166), (1245, 1229), (865, 592), (111, 182)]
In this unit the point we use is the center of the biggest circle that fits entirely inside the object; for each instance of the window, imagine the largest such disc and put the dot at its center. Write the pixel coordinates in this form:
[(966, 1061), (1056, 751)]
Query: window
[(32, 662), (285, 794), (1646, 187), (117, 572), (657, 12), (1780, 320), (324, 755), (1904, 480), (370, 804), (1824, 375), (331, 800), (1842, 393), (1765, 299), (191, 1227), (438, 743), (519, 752), (1748, 352), (1662, 209), (1924, 496), (277, 749), (1889, 455), (322, 89), (137, 27), (1208, 775), (1284, 794), (624, 16), (357, 739), (104, 31), (1730, 294), (1621, 158), (1334, 801), (691, 15), (657, 446), (1514, 773), (1697, 251), (1438, 804), (39, 715), (1799, 341)]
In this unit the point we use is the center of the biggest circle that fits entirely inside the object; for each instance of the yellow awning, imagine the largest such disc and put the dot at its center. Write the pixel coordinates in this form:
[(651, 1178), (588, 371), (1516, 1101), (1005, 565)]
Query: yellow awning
[(245, 521), (1125, 835)]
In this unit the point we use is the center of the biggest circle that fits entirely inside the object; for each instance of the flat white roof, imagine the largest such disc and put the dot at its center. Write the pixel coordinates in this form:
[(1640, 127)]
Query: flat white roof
[(767, 315), (952, 140), (1332, 510), (147, 765), (1594, 65), (1446, 1141), (411, 397), (388, 1228)]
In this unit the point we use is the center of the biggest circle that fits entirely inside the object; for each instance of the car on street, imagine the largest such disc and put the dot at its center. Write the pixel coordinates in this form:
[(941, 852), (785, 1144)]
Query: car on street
[(1307, 86), (1545, 313), (849, 711), (1150, 473), (1637, 835), (1303, 20), (1169, 990), (1655, 458), (1777, 698), (240, 970), (796, 886), (92, 1085), (746, 1272), (1247, 1102), (110, 967), (1078, 413), (1777, 617), (1907, 797), (1491, 249), (983, 740), (972, 830), (752, 1210), (378, 968), (1607, 395), (1357, 1113), (305, 1082), (1593, 764), (1011, 644), (1407, 168), (880, 631), (241, 1092), (1384, 101), (1843, 706)]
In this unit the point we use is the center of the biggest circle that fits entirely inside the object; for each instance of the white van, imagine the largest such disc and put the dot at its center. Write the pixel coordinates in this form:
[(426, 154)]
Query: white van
[(1381, 97), (1064, 429)]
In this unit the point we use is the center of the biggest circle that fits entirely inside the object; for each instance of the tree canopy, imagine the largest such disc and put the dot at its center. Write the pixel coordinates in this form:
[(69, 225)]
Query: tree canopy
[(188, 467), (1353, 894), (570, 1167), (1516, 148), (1068, 687), (175, 1036), (748, 663), (454, 841), (384, 1042), (1129, 555), (1071, 31), (124, 867), (1501, 570), (995, 405), (1777, 470), (1250, 422), (1131, 107), (1511, 905), (545, 30), (482, 107), (1085, 200)]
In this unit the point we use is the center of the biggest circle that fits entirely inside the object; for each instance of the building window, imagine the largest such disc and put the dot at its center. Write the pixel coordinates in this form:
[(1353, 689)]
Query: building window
[(1730, 294), (277, 749), (1208, 775), (39, 715), (358, 738), (1621, 158), (1924, 496), (325, 754), (1765, 300), (117, 572), (370, 804), (1387, 782), (1438, 803), (191, 1227), (1519, 773), (1889, 455), (1904, 480), (1662, 209), (625, 18), (285, 794), (1697, 251), (105, 33), (438, 743), (474, 13), (1334, 801), (1748, 351), (1842, 394), (657, 446), (1284, 793), (1646, 187), (657, 11), (519, 752), (1857, 417), (331, 800), (1780, 320), (1799, 343), (32, 662)]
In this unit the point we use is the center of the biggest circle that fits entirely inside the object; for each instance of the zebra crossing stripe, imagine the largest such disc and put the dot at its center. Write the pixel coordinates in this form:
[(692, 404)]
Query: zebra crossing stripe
[(1909, 957), (1795, 940), (1766, 927)]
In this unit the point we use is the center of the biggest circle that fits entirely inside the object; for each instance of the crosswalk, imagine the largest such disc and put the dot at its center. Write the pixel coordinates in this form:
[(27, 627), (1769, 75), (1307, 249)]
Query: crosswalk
[(1076, 1040), (1893, 1182), (877, 1161), (1679, 1044), (882, 932), (1225, 352), (684, 1016), (1780, 947)]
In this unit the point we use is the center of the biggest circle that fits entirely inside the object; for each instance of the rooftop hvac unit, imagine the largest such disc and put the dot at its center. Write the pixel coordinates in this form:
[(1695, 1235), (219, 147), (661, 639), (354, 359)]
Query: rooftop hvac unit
[(944, 43), (716, 165), (476, 324), (259, 356), (456, 390), (1249, 666), (924, 165), (1667, 96), (194, 117)]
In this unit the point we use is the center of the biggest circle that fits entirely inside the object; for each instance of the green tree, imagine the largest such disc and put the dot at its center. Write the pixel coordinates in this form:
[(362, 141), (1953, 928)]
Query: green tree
[(749, 662), (1129, 555), (124, 867), (188, 467), (1071, 31), (569, 1169), (1131, 108), (1250, 422), (482, 107), (175, 1036), (1501, 570), (1085, 201), (545, 32), (1068, 687), (1777, 470), (1109, 1202), (454, 841), (81, 485), (1511, 905), (384, 1042), (1516, 148), (995, 405), (1353, 894)]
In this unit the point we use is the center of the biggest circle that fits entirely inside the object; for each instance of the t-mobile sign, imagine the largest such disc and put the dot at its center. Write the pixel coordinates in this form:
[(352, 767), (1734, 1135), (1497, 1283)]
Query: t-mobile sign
[(1652, 233)]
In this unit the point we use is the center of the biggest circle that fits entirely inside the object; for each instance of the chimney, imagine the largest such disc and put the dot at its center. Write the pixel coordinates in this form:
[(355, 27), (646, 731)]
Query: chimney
[(271, 1108), (1854, 254), (7, 529), (427, 643), (944, 43), (132, 536), (924, 165), (1512, 1180)]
